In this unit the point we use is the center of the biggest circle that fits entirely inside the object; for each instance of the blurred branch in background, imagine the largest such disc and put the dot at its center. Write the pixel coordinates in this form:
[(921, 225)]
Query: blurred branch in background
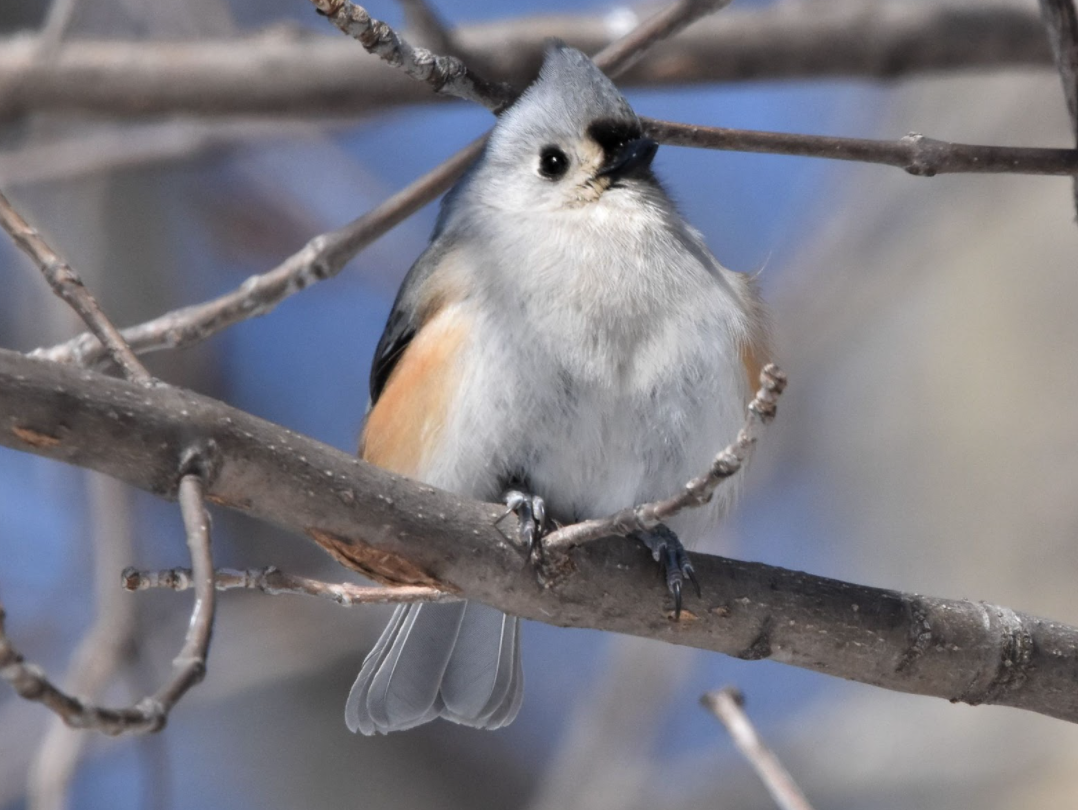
[(606, 757), (150, 713), (103, 650), (325, 255), (80, 151), (285, 72), (727, 705), (1061, 20)]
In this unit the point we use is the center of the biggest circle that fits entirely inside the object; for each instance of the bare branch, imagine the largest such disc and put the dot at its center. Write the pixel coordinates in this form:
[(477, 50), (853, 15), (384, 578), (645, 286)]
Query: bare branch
[(398, 531), (698, 491), (444, 74), (321, 258), (151, 713), (1061, 20), (726, 704), (915, 153), (296, 75), (275, 582), (65, 282), (189, 667)]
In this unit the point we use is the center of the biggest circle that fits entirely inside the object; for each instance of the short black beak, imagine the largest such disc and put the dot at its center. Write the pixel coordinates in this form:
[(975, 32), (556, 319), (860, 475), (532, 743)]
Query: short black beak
[(635, 155)]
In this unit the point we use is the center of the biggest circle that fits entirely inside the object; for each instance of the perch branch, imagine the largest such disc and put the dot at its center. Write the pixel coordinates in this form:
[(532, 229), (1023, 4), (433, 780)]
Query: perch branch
[(401, 532)]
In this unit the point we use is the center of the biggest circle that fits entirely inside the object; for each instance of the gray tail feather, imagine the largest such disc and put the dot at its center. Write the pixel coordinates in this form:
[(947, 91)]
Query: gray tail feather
[(460, 661)]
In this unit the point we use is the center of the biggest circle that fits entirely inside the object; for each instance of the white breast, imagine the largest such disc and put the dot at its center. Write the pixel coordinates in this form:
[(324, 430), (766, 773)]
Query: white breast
[(605, 376)]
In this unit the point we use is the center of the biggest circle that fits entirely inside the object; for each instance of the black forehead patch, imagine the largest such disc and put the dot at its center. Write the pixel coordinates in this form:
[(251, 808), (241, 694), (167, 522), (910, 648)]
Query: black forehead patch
[(612, 135)]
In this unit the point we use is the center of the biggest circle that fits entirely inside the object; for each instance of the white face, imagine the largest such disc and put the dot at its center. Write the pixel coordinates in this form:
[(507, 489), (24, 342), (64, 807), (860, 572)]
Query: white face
[(534, 171)]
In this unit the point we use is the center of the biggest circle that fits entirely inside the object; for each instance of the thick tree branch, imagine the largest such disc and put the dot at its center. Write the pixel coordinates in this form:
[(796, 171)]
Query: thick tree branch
[(295, 74), (406, 533)]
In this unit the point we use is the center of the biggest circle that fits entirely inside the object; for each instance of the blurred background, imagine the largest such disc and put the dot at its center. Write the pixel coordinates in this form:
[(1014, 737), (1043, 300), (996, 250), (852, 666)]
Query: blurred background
[(928, 442)]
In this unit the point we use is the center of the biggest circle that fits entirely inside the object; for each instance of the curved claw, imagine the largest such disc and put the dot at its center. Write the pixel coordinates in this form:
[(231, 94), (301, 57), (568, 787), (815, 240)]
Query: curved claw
[(673, 561), (531, 514)]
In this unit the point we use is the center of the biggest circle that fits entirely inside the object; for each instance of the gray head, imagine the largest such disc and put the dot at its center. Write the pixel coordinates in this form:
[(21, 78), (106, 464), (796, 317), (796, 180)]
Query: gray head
[(569, 139)]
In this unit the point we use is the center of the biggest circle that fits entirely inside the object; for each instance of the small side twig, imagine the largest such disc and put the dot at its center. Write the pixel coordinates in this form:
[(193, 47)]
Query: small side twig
[(67, 284), (445, 74), (1061, 19), (698, 491), (726, 704), (273, 581), (188, 668)]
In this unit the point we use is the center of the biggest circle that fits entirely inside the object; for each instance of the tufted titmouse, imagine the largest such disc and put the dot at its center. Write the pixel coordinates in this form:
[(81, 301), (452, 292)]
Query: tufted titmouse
[(567, 343)]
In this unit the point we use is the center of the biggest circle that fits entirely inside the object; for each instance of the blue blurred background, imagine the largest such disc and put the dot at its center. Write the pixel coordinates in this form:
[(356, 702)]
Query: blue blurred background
[(918, 320)]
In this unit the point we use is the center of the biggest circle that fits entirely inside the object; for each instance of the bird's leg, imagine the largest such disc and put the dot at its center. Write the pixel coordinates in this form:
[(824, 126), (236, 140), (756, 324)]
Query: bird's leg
[(531, 514), (673, 561)]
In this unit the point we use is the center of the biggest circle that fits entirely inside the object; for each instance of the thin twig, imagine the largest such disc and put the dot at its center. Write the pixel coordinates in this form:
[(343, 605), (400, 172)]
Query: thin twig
[(914, 153), (65, 282), (726, 704), (321, 258), (445, 74), (698, 491), (272, 581), (188, 668), (1061, 20)]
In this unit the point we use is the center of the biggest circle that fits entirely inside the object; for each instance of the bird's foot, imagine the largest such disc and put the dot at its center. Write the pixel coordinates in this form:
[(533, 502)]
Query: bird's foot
[(531, 516), (673, 561)]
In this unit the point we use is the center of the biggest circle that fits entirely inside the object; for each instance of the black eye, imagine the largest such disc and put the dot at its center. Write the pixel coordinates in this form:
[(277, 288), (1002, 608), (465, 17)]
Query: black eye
[(553, 163)]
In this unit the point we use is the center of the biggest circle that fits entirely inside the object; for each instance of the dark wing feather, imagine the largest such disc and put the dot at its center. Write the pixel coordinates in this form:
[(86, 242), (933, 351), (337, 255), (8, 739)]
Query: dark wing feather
[(404, 319)]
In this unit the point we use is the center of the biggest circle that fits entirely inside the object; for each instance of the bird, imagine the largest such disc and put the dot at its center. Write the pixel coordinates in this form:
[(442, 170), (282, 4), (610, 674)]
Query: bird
[(567, 344)]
